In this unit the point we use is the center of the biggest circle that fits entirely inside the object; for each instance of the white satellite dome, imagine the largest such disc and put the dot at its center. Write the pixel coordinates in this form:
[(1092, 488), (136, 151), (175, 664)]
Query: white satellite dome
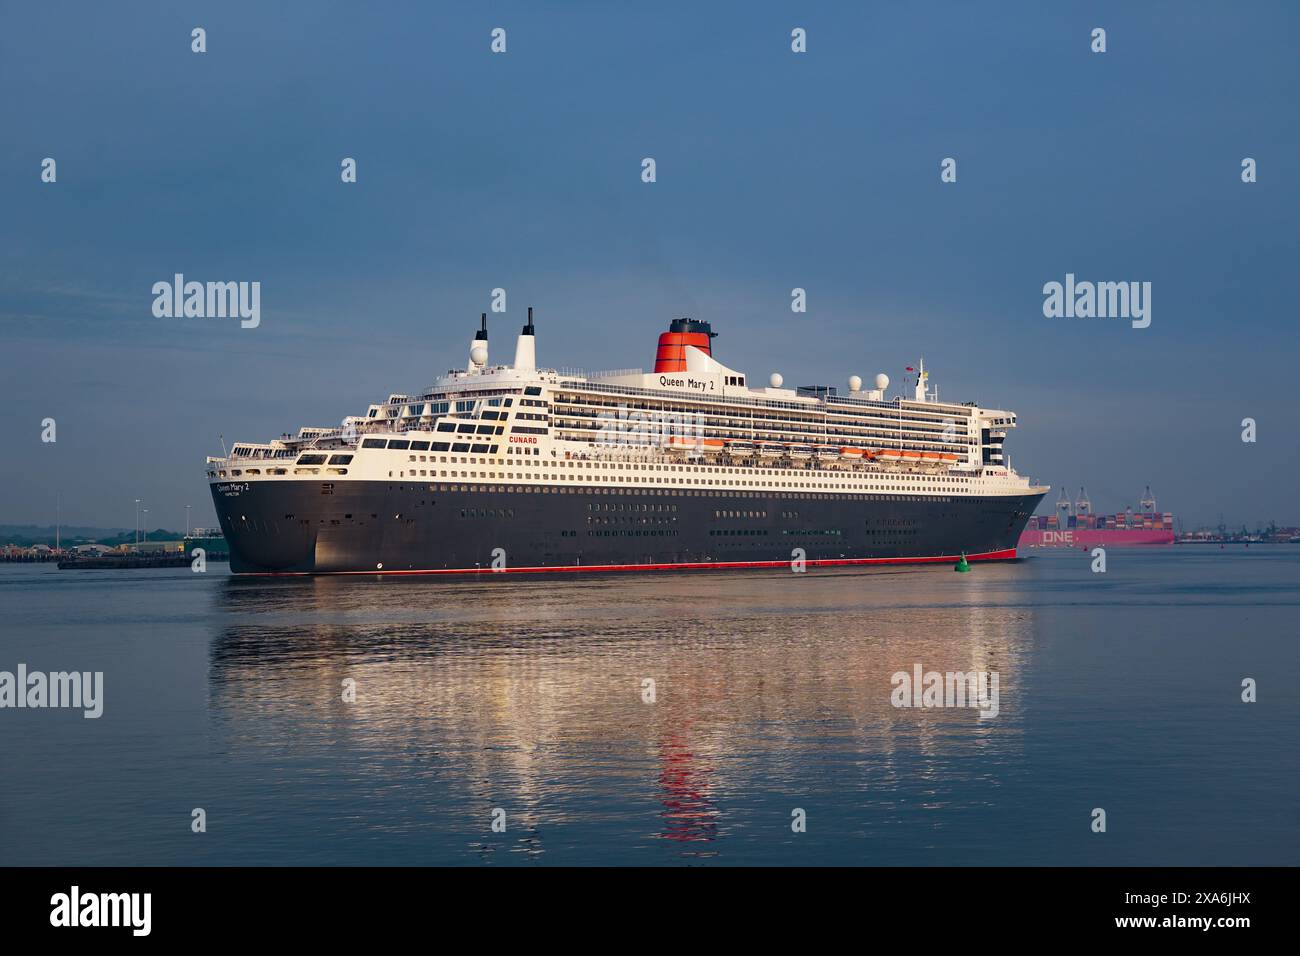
[(478, 354), (855, 383), (776, 381), (882, 381)]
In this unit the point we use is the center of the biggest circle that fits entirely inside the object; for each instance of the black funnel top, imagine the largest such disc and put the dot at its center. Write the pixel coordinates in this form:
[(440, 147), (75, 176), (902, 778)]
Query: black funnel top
[(692, 325)]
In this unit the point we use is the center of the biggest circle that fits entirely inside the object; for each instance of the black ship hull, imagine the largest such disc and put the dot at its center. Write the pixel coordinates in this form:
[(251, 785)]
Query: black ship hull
[(370, 527)]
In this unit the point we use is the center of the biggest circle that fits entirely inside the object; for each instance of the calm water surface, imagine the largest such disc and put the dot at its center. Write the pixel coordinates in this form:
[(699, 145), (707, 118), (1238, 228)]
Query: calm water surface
[(1118, 690)]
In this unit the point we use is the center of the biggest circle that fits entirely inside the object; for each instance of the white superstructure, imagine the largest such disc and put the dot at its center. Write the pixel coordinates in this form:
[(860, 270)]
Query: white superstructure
[(698, 425)]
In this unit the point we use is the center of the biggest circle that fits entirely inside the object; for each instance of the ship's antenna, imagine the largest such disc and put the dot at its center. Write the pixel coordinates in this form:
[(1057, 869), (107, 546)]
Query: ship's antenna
[(222, 439)]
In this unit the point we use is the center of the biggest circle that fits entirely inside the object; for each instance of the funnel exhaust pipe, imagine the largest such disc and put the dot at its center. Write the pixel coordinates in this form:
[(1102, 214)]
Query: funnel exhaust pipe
[(526, 347)]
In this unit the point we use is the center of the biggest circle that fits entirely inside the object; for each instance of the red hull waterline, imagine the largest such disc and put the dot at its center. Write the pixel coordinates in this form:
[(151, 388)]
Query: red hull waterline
[(1097, 537), (1008, 554)]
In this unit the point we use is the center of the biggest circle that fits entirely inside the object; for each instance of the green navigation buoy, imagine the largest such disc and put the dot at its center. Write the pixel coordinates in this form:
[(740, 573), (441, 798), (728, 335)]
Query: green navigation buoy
[(962, 564)]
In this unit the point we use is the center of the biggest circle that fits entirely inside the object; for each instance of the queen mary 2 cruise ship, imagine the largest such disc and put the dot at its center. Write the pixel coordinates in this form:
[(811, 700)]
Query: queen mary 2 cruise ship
[(520, 468)]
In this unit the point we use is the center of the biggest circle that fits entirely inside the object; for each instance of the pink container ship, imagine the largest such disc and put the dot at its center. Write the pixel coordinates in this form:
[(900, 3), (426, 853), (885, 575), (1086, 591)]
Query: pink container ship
[(1075, 526)]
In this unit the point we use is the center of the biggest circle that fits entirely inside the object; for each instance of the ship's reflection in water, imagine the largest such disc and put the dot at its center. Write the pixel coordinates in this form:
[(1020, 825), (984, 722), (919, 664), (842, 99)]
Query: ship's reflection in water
[(771, 692)]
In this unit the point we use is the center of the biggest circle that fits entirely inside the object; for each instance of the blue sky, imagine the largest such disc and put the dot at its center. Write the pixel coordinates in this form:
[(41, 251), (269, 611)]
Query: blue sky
[(775, 170)]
